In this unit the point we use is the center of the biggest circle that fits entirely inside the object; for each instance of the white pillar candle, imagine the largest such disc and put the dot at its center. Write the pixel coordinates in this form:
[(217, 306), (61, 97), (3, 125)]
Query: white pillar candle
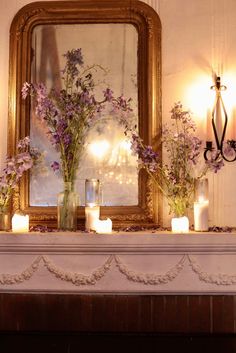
[(201, 215), (180, 225), (92, 214), (104, 226), (20, 223)]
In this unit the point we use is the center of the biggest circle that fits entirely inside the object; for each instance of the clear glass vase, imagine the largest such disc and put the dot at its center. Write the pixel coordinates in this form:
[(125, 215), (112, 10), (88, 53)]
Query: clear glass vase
[(5, 220), (67, 203)]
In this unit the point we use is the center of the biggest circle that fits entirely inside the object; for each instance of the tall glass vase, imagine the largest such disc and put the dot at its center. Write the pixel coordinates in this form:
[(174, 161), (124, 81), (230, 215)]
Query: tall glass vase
[(67, 208), (5, 220)]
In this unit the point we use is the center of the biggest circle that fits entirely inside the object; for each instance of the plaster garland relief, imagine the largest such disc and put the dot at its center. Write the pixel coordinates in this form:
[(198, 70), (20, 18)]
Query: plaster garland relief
[(79, 279)]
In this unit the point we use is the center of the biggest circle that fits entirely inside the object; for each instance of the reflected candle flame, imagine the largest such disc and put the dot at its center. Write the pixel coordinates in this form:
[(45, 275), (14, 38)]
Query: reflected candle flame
[(99, 148)]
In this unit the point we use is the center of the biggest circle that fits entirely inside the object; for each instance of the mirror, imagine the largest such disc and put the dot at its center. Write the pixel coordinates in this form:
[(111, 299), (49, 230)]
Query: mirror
[(123, 37), (107, 156)]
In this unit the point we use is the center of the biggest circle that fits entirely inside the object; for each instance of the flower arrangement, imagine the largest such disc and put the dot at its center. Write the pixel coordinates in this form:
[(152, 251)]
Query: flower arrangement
[(16, 166), (70, 112), (175, 179)]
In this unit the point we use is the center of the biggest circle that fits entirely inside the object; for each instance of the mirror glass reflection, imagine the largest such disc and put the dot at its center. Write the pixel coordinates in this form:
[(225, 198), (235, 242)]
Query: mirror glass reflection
[(107, 155)]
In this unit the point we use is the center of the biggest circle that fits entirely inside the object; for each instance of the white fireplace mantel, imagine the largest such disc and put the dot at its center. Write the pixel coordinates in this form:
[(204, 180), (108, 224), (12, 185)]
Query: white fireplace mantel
[(120, 263)]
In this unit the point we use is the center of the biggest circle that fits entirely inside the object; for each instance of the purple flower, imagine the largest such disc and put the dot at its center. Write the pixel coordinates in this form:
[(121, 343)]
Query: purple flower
[(62, 125), (147, 157), (85, 98), (229, 149), (55, 138), (15, 167), (25, 89), (108, 94), (55, 166), (23, 143), (69, 113), (67, 139), (74, 57), (215, 163), (45, 107)]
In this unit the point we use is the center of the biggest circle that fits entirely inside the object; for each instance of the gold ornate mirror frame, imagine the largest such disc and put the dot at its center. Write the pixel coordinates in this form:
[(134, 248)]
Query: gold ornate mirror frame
[(147, 24)]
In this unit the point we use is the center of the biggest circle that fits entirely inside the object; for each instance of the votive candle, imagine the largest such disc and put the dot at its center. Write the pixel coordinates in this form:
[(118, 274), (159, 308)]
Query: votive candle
[(180, 224), (92, 214), (103, 226), (20, 223)]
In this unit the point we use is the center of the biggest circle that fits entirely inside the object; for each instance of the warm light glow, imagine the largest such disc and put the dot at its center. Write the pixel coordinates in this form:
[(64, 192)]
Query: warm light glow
[(120, 153), (125, 145), (20, 223), (99, 148), (180, 225), (91, 204), (103, 226), (199, 97), (201, 199), (228, 96)]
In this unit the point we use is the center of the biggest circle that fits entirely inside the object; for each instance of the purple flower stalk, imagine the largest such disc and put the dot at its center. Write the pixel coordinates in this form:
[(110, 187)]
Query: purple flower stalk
[(69, 113), (176, 178), (15, 167)]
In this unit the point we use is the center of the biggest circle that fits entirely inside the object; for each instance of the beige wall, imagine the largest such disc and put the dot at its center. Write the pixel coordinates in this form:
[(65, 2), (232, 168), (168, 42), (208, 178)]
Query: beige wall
[(197, 36)]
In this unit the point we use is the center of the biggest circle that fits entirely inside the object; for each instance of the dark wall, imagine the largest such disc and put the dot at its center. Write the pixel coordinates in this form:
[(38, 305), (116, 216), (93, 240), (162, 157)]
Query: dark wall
[(178, 314), (67, 323)]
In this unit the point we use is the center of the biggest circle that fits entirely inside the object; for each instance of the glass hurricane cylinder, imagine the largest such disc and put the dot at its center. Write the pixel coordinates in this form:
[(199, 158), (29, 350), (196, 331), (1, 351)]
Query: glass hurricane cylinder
[(92, 192), (67, 203), (201, 205), (92, 201)]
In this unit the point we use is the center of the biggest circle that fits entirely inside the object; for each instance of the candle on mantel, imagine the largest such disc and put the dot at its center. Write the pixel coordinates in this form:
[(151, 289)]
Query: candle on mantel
[(201, 205), (103, 226), (201, 215), (180, 224), (92, 213), (20, 223)]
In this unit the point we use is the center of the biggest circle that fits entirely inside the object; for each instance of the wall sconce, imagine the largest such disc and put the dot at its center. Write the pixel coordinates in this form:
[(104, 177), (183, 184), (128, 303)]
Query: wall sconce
[(219, 132)]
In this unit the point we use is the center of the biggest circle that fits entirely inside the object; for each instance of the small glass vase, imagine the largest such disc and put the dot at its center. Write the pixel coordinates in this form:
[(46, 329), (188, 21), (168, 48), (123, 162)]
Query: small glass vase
[(5, 220), (67, 203)]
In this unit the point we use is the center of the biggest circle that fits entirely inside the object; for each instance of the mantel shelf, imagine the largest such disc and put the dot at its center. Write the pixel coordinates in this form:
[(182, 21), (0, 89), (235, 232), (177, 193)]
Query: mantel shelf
[(133, 262)]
